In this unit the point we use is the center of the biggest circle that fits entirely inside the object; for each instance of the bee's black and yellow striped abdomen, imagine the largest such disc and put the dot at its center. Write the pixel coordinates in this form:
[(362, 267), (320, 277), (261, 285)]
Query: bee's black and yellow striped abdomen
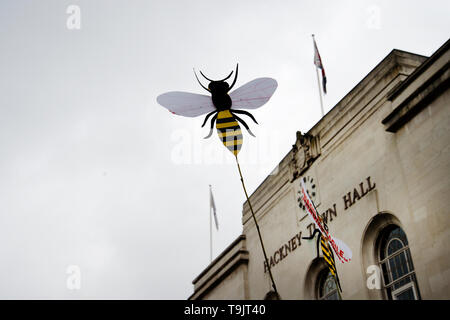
[(327, 255), (229, 131)]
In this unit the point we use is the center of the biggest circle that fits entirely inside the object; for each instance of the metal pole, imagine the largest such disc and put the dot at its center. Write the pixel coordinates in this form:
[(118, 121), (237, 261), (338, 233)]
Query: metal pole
[(320, 93), (337, 287), (257, 228), (210, 227)]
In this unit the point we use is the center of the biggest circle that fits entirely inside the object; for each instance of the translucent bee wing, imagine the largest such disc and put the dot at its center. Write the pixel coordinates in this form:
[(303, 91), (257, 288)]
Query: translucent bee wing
[(186, 104), (253, 94), (345, 253)]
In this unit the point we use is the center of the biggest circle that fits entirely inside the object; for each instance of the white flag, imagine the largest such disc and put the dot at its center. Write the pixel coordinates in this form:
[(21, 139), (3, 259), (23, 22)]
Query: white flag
[(318, 63), (212, 206)]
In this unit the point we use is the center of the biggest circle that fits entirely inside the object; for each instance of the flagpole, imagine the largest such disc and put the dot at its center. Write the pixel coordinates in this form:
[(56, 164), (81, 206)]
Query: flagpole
[(257, 228), (320, 93), (210, 226), (318, 83)]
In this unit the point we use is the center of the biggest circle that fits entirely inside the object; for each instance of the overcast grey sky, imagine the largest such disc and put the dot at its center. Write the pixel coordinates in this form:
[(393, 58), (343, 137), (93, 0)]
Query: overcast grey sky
[(94, 173)]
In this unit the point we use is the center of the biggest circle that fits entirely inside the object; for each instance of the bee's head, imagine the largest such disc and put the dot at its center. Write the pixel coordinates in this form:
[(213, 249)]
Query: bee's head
[(218, 86)]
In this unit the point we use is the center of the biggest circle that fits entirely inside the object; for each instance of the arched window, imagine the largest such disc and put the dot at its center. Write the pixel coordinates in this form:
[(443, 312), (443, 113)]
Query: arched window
[(399, 278), (327, 288)]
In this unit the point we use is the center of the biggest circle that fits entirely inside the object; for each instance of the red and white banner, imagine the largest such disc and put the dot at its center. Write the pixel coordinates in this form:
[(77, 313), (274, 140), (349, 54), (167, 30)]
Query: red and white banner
[(342, 251)]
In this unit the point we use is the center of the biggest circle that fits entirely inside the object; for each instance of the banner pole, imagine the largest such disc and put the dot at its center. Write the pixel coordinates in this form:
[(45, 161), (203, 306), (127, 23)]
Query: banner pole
[(257, 228), (337, 287), (210, 227)]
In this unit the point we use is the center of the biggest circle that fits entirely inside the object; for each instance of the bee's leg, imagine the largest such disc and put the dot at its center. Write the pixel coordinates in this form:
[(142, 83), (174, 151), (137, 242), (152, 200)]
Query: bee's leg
[(246, 113), (235, 77), (212, 126), (318, 239), (312, 236), (207, 116), (244, 124)]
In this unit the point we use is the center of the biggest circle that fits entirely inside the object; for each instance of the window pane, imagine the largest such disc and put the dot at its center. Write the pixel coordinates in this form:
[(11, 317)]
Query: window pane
[(408, 294), (386, 274), (333, 296), (330, 285), (398, 239), (409, 259), (398, 233), (402, 282), (398, 266), (394, 246)]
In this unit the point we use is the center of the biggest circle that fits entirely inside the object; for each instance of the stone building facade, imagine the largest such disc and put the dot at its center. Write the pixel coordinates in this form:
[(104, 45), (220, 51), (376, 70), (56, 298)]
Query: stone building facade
[(378, 170)]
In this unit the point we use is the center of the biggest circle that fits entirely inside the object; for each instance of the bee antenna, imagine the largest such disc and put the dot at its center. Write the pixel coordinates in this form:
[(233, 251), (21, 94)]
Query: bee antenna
[(205, 76), (199, 81), (228, 76), (217, 80), (235, 77)]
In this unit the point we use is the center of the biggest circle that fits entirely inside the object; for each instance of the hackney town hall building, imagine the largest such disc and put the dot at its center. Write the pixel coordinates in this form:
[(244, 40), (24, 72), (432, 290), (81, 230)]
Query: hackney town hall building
[(377, 167)]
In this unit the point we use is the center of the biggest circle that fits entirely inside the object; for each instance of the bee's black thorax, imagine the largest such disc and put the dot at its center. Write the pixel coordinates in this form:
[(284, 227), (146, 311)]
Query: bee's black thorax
[(219, 95), (221, 101)]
